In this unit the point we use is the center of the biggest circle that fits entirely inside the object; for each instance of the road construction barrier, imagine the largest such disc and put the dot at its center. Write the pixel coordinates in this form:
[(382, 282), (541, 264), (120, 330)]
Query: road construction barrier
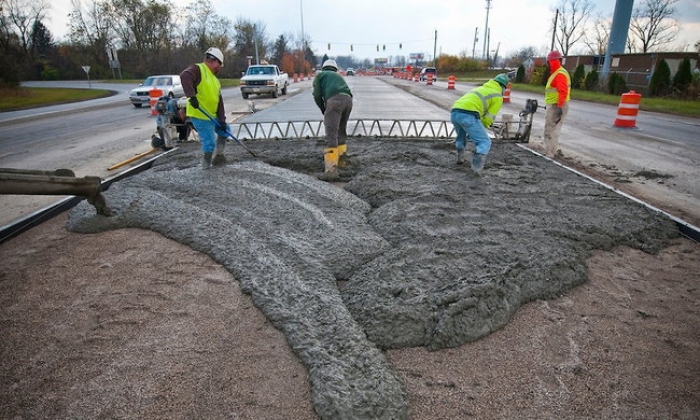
[(506, 94), (430, 79), (416, 77), (296, 77), (153, 96), (451, 82), (628, 109)]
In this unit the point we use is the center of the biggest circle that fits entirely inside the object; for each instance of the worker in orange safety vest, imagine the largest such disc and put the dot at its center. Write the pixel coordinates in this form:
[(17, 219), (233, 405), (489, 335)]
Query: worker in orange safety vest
[(557, 94)]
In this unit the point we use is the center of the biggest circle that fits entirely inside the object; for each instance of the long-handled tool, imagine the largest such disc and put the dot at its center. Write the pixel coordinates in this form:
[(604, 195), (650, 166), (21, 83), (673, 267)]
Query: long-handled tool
[(227, 132)]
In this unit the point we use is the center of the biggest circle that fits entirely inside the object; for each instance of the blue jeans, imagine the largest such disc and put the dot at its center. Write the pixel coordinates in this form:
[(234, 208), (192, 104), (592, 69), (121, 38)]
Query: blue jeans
[(208, 131), (468, 125)]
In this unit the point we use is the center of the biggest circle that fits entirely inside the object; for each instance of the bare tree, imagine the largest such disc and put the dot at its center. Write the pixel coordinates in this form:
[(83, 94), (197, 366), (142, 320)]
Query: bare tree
[(598, 35), (19, 18), (571, 23), (92, 24), (205, 28), (250, 41), (653, 24)]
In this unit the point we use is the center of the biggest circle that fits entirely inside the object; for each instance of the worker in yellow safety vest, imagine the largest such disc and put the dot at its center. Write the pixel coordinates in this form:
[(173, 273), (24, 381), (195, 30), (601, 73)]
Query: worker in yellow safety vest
[(203, 88), (472, 114), (557, 94)]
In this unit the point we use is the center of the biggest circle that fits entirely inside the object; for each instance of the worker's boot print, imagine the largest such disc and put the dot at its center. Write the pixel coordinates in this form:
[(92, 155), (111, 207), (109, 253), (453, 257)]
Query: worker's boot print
[(219, 158)]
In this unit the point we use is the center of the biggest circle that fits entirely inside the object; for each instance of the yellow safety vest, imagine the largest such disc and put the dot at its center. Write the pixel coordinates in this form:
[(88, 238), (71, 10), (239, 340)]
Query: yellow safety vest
[(208, 92), (551, 94)]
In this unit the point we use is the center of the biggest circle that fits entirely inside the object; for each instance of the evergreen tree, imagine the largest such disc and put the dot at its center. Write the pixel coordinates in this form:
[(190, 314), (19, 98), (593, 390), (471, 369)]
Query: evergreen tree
[(520, 75), (660, 84), (616, 84), (592, 80), (683, 78), (578, 77)]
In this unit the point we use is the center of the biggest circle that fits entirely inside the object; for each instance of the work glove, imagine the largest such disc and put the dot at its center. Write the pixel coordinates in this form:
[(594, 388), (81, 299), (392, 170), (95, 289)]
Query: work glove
[(557, 114), (223, 126), (194, 102)]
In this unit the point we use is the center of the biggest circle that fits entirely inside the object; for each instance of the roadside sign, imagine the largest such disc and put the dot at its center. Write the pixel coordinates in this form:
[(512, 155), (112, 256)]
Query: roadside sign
[(86, 69)]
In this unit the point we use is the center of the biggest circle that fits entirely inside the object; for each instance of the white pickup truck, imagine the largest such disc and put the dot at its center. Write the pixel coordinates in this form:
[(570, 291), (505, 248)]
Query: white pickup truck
[(263, 79)]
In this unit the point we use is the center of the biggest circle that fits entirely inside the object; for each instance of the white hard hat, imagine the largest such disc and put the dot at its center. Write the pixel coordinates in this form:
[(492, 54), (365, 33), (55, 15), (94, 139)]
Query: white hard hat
[(216, 53), (330, 63)]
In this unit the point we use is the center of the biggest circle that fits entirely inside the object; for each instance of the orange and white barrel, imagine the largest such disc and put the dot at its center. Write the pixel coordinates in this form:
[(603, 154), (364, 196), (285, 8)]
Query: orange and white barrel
[(153, 96), (416, 77), (628, 109), (506, 94), (430, 79), (451, 82)]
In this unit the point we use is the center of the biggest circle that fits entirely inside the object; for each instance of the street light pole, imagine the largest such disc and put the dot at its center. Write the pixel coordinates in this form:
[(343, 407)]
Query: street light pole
[(486, 29), (303, 38)]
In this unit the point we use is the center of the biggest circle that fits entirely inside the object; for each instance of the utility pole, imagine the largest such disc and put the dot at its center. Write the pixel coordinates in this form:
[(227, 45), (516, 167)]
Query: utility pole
[(435, 50), (476, 39), (303, 38), (554, 29), (486, 29), (618, 32)]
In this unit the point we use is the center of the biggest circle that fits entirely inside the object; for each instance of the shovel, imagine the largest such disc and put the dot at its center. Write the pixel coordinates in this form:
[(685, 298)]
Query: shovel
[(227, 132)]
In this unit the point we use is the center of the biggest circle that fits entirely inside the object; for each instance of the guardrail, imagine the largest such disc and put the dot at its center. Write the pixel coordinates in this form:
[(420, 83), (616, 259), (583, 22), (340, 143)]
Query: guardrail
[(434, 129)]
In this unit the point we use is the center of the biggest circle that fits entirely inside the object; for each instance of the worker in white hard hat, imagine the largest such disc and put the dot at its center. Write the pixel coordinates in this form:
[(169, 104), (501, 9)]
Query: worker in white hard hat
[(557, 94), (203, 89), (334, 99)]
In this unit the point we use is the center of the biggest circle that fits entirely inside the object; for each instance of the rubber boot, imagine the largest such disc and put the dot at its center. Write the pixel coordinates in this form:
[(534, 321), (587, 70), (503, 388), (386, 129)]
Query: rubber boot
[(342, 155), (206, 160), (330, 160), (219, 158), (460, 157), (478, 162)]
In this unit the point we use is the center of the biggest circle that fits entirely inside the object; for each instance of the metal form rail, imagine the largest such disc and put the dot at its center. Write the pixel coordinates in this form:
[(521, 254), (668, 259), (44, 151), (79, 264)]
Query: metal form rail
[(427, 129)]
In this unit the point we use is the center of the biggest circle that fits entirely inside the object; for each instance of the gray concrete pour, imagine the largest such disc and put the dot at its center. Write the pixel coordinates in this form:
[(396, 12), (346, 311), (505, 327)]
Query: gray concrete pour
[(414, 251)]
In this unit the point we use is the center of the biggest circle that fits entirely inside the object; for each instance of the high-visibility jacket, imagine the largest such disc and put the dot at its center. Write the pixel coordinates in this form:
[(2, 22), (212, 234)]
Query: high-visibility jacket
[(558, 88), (486, 101), (208, 93)]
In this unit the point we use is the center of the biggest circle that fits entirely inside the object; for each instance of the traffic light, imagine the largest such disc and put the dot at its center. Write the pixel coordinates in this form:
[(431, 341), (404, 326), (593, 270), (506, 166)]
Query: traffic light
[(377, 47), (329, 46), (383, 47), (351, 48)]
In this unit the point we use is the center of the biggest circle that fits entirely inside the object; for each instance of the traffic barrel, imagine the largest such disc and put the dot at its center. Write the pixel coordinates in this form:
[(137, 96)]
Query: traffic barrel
[(296, 77), (506, 94), (416, 77), (153, 96), (451, 82), (430, 79), (628, 109)]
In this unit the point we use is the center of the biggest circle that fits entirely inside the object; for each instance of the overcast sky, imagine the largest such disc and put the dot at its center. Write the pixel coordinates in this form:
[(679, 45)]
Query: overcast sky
[(513, 24)]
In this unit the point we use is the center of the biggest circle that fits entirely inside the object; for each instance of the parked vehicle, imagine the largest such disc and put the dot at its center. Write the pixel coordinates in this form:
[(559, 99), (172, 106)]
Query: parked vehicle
[(349, 71), (425, 71), (169, 84), (264, 79)]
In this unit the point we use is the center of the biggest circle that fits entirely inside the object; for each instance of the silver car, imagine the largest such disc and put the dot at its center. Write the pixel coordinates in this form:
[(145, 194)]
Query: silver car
[(169, 85)]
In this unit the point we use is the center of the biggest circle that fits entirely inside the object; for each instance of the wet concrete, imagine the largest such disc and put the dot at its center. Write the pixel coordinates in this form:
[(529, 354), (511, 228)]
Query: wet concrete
[(412, 251)]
